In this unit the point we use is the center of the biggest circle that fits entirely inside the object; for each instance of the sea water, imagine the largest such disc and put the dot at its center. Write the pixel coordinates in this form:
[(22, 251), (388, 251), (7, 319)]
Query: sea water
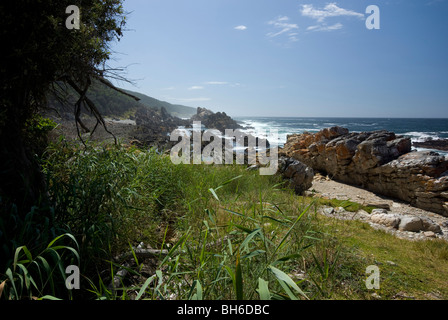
[(416, 129)]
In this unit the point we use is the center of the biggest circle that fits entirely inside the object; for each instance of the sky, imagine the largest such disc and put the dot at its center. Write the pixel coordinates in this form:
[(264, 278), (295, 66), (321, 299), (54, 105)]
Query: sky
[(289, 58)]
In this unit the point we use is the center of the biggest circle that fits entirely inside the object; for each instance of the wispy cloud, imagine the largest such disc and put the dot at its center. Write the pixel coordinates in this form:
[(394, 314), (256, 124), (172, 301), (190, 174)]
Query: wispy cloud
[(293, 37), (324, 27), (282, 26), (223, 83), (241, 28), (198, 99), (196, 88), (216, 82), (330, 10)]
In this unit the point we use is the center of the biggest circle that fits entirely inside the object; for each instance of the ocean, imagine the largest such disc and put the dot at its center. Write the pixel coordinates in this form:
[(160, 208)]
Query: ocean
[(416, 129)]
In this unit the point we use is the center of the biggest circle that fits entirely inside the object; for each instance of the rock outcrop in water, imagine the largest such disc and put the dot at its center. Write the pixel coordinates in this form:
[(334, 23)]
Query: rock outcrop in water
[(155, 126), (439, 144), (219, 120), (379, 161)]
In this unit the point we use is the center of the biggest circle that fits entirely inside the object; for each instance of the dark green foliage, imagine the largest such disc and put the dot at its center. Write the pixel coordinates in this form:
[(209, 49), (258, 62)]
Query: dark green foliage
[(38, 55), (36, 131)]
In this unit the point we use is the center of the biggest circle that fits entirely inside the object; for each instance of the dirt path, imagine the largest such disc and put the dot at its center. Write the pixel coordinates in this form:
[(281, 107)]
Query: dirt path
[(327, 188)]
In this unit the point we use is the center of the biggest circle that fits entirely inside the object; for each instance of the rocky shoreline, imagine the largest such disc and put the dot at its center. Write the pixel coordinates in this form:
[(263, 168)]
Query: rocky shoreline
[(378, 161), (148, 127)]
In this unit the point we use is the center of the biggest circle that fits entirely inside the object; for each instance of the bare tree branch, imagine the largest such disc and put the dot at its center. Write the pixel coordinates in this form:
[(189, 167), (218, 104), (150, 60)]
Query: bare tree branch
[(110, 85), (91, 107)]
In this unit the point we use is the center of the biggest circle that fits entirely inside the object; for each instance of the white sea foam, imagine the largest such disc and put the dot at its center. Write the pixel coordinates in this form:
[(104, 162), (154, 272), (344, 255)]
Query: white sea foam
[(421, 136), (442, 153), (264, 130), (299, 125)]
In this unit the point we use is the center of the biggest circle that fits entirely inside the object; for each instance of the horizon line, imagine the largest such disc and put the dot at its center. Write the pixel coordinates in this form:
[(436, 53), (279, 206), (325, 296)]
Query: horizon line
[(346, 117)]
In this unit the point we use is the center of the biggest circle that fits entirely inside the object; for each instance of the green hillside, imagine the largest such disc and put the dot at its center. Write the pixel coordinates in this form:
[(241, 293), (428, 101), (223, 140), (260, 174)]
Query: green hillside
[(111, 103)]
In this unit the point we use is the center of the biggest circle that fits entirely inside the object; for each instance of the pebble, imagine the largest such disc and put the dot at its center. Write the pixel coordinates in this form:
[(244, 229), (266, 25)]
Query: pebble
[(379, 211), (376, 296), (429, 234)]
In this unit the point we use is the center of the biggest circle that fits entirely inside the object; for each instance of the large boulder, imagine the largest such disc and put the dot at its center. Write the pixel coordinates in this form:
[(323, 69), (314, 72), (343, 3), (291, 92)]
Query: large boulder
[(299, 175), (417, 224), (410, 223), (419, 178)]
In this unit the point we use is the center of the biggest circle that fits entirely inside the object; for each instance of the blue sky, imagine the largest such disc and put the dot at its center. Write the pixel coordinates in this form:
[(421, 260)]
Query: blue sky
[(289, 57)]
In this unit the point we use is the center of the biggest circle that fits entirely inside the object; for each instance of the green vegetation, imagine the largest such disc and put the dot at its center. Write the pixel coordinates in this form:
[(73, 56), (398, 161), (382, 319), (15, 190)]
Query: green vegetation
[(409, 269), (215, 232), (108, 101), (51, 59), (220, 232), (114, 104), (346, 204)]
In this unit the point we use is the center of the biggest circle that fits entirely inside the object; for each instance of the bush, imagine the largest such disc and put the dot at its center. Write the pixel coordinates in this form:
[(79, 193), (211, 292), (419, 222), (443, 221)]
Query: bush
[(109, 196), (36, 133)]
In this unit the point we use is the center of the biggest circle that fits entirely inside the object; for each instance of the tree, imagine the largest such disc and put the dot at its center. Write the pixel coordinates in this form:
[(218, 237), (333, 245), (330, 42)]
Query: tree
[(40, 56)]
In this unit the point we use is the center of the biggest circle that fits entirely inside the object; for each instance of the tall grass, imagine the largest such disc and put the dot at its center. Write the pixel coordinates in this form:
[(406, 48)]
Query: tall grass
[(108, 197), (41, 276), (228, 233), (231, 247)]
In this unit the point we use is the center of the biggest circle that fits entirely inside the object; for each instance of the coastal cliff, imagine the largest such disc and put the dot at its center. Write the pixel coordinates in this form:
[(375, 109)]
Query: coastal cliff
[(379, 161)]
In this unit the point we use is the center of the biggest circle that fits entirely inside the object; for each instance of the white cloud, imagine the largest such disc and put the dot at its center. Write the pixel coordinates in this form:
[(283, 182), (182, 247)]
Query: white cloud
[(324, 27), (242, 28), (223, 83), (196, 88), (293, 37), (284, 18), (330, 10), (282, 26), (216, 82)]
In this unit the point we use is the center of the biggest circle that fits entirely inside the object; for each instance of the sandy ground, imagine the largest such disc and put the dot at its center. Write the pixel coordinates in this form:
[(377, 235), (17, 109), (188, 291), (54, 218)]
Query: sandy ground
[(122, 129)]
